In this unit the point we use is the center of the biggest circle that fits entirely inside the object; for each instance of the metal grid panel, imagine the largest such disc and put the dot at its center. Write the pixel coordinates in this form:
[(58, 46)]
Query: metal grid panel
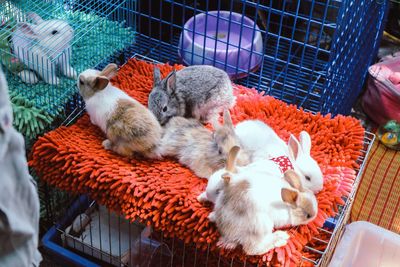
[(172, 251), (310, 47), (307, 58), (83, 17), (354, 47)]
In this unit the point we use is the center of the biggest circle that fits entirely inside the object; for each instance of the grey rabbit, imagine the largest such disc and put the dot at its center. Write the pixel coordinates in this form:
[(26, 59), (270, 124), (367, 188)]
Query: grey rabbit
[(198, 91)]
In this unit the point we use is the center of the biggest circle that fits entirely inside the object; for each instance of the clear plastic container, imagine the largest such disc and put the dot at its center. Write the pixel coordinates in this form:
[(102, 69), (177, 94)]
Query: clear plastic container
[(364, 244)]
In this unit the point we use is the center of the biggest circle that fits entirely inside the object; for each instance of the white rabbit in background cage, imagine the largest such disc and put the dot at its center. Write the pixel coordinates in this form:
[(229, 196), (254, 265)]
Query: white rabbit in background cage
[(44, 46)]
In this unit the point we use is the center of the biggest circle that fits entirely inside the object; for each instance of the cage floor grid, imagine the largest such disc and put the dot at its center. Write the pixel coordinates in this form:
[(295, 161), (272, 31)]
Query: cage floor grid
[(128, 186)]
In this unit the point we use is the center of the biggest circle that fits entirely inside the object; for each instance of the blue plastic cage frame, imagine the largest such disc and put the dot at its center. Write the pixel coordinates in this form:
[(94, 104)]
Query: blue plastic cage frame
[(316, 52), (67, 256)]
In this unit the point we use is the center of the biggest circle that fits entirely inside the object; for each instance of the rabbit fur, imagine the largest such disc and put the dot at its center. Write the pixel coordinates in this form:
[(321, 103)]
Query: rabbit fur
[(44, 46), (197, 147), (129, 126), (199, 91), (262, 142), (252, 204)]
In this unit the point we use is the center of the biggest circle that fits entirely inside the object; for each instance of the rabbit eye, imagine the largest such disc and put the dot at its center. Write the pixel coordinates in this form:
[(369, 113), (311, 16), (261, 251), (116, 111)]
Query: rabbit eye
[(220, 151), (54, 32), (165, 109), (80, 82), (308, 178), (308, 216), (218, 191)]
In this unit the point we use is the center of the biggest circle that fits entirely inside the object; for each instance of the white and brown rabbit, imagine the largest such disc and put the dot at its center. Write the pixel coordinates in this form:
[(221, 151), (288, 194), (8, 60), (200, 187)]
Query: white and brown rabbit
[(253, 200), (197, 147), (129, 126), (262, 142), (200, 92), (44, 46)]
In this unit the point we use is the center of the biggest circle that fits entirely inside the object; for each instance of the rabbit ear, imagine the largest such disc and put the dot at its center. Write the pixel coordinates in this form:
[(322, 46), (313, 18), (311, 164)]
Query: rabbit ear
[(232, 155), (35, 17), (289, 195), (293, 179), (156, 76), (109, 71), (294, 148), (228, 119), (305, 142), (171, 82), (215, 123), (99, 83), (27, 29)]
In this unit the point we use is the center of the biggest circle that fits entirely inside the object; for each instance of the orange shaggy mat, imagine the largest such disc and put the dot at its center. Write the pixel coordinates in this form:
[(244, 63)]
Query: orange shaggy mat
[(163, 193)]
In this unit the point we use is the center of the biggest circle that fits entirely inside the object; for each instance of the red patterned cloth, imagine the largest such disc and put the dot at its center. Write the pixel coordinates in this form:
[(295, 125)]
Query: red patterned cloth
[(284, 163)]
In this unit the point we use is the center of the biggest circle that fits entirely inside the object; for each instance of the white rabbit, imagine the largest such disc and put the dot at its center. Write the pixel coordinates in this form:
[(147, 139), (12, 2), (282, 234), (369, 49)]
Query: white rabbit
[(215, 183), (254, 200), (43, 47), (261, 141)]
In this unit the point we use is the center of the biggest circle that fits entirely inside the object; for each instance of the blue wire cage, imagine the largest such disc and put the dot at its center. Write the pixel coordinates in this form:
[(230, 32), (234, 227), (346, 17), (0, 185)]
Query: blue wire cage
[(315, 53), (39, 42)]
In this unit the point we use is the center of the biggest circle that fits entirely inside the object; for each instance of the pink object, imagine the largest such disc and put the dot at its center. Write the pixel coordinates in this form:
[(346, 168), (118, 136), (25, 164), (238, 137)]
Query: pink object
[(395, 78), (381, 101), (226, 40)]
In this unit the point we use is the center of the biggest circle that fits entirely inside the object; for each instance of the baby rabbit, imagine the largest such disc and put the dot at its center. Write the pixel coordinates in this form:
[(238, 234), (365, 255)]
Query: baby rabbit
[(199, 91), (261, 141), (129, 126), (300, 205), (197, 147), (251, 204), (43, 47)]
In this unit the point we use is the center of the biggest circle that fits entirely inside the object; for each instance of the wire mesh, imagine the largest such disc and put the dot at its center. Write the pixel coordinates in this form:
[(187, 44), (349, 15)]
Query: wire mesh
[(103, 237), (45, 44), (315, 54), (47, 31)]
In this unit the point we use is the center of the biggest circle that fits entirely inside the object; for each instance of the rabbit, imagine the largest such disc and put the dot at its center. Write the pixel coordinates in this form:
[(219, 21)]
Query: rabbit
[(215, 183), (251, 204), (197, 147), (198, 91), (261, 141), (43, 47), (129, 126)]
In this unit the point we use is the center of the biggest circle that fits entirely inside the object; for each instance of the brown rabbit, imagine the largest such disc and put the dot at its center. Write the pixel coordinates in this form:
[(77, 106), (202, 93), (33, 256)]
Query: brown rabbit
[(129, 126), (197, 147)]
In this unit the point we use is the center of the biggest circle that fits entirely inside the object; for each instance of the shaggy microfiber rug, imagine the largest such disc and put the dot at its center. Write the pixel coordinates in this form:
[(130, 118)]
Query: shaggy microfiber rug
[(163, 193), (96, 38)]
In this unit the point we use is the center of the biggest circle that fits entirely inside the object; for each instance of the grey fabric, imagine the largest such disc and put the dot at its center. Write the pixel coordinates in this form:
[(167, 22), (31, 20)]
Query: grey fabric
[(19, 202)]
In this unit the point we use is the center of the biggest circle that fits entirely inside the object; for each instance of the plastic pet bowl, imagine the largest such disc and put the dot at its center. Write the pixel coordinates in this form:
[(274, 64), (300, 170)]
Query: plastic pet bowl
[(222, 39)]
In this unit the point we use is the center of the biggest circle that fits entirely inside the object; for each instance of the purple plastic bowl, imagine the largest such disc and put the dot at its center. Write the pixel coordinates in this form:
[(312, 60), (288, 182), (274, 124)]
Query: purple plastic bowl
[(234, 40)]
